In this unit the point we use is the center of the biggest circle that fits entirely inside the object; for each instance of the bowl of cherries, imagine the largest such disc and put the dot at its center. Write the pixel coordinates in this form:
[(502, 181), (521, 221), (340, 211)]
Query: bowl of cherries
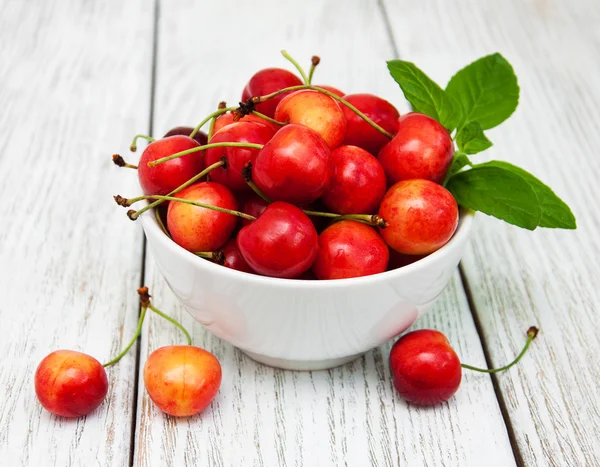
[(308, 226)]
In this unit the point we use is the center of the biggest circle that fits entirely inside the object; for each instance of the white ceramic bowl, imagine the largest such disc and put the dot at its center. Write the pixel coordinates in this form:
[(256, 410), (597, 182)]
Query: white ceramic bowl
[(299, 324)]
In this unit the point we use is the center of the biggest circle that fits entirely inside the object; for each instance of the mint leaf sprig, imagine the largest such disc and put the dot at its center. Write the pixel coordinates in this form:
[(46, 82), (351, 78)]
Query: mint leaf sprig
[(479, 97)]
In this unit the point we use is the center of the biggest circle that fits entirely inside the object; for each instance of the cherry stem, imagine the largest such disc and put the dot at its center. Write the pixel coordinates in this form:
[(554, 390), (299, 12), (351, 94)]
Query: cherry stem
[(370, 219), (214, 256), (297, 65), (247, 174), (216, 113), (138, 331), (133, 146), (161, 224), (172, 321), (201, 148), (314, 61), (191, 181), (260, 99), (268, 119), (119, 161), (131, 214), (532, 333)]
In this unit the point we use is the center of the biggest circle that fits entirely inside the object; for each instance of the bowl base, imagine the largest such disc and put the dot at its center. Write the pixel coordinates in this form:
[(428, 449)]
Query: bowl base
[(302, 365)]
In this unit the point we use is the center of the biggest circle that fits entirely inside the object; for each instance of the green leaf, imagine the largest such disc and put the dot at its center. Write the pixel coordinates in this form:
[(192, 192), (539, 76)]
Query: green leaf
[(498, 192), (555, 212), (487, 89), (424, 94), (471, 139), (459, 161)]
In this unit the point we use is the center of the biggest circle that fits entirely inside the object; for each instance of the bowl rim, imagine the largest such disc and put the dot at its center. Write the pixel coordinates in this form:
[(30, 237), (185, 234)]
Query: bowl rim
[(465, 223)]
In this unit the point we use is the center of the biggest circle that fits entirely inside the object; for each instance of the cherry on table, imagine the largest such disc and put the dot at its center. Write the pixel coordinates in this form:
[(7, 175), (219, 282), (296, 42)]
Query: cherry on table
[(236, 158), (182, 380), (425, 368), (422, 148), (282, 242), (357, 182), (294, 166), (200, 229), (314, 110), (360, 133), (164, 178), (200, 137), (421, 215), (70, 383), (350, 249), (267, 81)]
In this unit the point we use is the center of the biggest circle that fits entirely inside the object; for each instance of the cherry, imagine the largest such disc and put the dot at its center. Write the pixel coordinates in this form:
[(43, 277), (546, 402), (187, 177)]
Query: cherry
[(422, 216), (164, 178), (233, 257), (200, 137), (422, 148), (350, 249), (336, 91), (267, 81), (360, 133), (357, 182), (426, 370), (182, 380), (282, 242), (253, 205), (294, 166), (228, 119), (230, 175), (70, 384), (200, 229), (316, 111)]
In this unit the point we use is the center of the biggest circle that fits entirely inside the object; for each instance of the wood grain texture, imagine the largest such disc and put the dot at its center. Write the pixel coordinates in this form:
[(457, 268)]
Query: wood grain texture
[(267, 417), (75, 84), (518, 278)]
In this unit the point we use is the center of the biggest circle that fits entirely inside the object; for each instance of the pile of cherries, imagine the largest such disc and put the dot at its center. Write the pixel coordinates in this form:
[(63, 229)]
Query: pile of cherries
[(302, 181), (251, 194)]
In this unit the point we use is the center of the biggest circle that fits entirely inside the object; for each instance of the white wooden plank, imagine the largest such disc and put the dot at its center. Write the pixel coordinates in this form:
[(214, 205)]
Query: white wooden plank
[(75, 84), (518, 278), (262, 416)]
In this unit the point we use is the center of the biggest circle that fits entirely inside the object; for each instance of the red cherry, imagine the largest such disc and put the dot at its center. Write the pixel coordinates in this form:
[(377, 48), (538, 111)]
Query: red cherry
[(200, 137), (282, 242), (182, 380), (227, 119), (360, 133), (331, 89), (164, 178), (350, 249), (425, 368), (357, 182), (70, 384), (233, 257), (294, 166), (316, 111), (253, 205), (422, 216), (267, 81), (200, 229), (422, 148), (242, 132)]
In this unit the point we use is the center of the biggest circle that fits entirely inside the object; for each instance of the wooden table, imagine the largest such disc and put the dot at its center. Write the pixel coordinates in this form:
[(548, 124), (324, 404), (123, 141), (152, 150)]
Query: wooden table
[(78, 79)]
